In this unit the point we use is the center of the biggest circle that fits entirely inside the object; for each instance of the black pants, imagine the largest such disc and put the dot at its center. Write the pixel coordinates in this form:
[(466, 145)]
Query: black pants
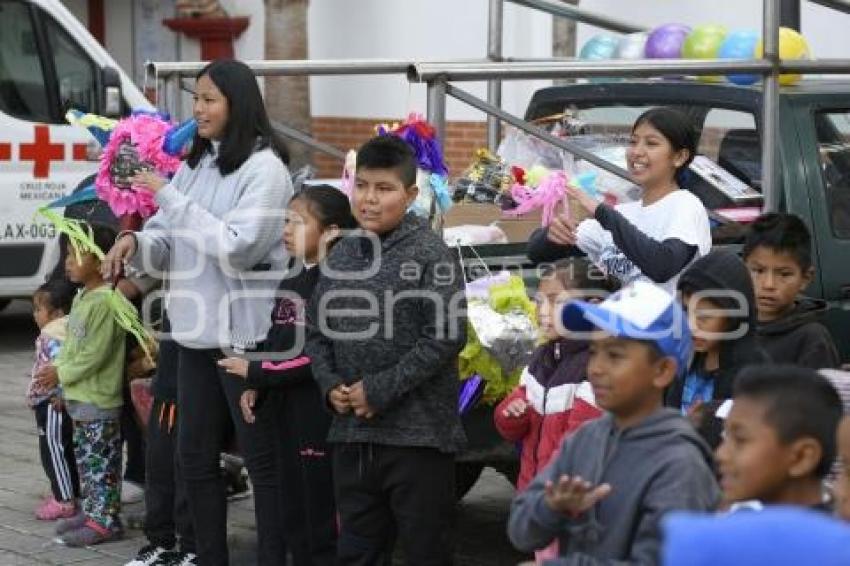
[(56, 445), (209, 402), (166, 507), (306, 477), (383, 491), (131, 435)]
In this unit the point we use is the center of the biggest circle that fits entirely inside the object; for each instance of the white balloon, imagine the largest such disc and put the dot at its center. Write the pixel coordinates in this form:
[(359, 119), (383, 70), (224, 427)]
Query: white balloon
[(632, 45)]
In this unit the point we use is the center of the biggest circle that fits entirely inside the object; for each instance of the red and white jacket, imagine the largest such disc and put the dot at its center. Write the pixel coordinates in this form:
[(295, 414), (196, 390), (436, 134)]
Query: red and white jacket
[(559, 400)]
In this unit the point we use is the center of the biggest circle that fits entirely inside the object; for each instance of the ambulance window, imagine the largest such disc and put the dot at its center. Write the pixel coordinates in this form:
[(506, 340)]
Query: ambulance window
[(23, 93), (75, 72)]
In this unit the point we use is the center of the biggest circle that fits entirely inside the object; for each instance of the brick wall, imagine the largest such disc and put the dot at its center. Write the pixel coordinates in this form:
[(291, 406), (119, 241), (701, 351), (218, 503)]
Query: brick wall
[(462, 139)]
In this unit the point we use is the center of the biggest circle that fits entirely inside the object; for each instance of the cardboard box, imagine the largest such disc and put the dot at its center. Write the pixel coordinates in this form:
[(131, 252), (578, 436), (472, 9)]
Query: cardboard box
[(516, 228)]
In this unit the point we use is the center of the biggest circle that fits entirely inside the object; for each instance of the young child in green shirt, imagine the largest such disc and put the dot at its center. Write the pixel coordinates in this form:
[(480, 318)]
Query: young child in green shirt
[(90, 368)]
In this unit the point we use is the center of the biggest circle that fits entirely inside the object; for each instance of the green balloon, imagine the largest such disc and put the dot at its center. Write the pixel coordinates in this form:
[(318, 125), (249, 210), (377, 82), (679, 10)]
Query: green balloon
[(704, 42)]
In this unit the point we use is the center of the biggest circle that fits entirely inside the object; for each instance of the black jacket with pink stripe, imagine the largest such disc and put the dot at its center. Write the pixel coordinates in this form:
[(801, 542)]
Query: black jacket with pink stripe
[(286, 365)]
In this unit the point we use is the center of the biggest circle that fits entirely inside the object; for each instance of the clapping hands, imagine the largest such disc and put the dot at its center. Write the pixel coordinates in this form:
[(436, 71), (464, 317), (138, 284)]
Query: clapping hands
[(573, 495)]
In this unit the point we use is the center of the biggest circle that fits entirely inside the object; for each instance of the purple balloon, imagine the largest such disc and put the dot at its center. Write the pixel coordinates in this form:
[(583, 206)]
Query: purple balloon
[(665, 42)]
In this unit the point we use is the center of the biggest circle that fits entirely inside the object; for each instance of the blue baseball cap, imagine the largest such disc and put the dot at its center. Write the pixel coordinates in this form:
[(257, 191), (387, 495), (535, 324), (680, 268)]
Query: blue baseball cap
[(641, 311)]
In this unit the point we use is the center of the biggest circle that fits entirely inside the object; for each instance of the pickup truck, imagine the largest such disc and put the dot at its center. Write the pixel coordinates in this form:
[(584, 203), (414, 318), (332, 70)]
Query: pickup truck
[(814, 183)]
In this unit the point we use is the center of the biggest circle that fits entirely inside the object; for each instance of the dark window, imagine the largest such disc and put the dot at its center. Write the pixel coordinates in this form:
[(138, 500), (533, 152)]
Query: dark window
[(76, 74), (23, 93), (833, 132)]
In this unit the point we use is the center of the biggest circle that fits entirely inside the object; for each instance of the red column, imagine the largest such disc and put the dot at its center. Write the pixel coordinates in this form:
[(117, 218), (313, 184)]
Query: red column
[(97, 20), (215, 34)]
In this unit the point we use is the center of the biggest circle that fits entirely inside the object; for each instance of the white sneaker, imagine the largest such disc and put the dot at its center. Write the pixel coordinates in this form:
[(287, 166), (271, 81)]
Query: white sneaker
[(147, 556), (131, 492)]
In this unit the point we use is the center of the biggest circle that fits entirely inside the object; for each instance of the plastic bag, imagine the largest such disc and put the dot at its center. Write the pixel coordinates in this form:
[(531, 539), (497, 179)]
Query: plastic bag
[(502, 333)]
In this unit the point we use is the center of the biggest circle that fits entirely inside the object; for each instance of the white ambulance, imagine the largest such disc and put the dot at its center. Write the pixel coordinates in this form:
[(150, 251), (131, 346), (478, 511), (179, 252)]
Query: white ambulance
[(48, 63)]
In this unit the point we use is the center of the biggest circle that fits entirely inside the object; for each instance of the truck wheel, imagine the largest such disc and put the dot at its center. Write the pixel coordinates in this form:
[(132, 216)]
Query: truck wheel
[(4, 303), (466, 474), (510, 470)]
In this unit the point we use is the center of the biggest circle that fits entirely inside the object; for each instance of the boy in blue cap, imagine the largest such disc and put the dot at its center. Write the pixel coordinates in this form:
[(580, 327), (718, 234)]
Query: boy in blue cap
[(604, 496)]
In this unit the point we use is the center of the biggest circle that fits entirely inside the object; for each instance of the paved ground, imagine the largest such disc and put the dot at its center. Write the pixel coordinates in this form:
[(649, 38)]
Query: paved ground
[(26, 541)]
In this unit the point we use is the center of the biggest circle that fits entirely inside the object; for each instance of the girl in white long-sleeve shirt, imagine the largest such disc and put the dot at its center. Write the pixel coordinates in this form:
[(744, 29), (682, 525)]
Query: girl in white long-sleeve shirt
[(218, 235), (654, 238)]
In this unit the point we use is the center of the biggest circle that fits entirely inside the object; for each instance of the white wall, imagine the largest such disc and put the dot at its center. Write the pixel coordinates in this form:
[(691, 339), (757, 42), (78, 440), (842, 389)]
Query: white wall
[(438, 29), (251, 44), (413, 29)]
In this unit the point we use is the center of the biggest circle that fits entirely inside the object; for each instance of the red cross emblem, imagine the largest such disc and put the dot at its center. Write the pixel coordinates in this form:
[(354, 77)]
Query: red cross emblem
[(5, 152), (41, 152)]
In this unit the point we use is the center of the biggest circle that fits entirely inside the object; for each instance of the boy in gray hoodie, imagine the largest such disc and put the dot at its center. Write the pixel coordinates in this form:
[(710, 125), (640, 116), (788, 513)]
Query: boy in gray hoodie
[(386, 323), (604, 496)]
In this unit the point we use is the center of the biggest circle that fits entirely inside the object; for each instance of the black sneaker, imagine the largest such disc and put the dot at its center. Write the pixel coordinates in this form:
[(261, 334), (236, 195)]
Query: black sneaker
[(148, 556), (174, 558)]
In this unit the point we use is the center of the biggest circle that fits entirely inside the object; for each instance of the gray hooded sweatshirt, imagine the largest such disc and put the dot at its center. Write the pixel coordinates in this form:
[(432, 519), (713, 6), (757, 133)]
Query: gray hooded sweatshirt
[(654, 467), (391, 312), (219, 242)]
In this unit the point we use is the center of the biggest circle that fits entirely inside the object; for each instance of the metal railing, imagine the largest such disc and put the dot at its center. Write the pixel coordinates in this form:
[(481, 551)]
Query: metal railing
[(552, 7), (437, 77), (167, 76), (580, 15)]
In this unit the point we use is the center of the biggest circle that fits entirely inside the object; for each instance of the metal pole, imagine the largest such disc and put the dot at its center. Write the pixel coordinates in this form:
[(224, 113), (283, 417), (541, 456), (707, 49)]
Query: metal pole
[(535, 131), (789, 14), (584, 16), (770, 109), (494, 53), (311, 67), (483, 71), (169, 98), (437, 108), (161, 86), (816, 66), (308, 140)]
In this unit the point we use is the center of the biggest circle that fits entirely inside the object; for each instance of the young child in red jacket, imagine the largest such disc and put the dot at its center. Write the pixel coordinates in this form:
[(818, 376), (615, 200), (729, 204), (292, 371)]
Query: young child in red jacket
[(554, 397)]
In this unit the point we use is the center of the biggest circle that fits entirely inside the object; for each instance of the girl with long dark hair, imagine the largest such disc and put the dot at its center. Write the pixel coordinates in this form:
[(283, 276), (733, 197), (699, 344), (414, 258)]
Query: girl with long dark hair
[(217, 240), (654, 238)]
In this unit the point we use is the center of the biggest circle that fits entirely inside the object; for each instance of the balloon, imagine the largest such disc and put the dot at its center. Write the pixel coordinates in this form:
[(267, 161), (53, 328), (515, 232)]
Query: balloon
[(665, 42), (179, 136), (792, 45), (704, 43), (632, 46), (600, 46), (740, 44)]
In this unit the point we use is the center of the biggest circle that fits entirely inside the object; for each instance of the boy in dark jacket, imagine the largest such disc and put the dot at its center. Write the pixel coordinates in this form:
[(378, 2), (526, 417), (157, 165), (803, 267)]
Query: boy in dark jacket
[(386, 327), (717, 294), (604, 496), (778, 253)]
